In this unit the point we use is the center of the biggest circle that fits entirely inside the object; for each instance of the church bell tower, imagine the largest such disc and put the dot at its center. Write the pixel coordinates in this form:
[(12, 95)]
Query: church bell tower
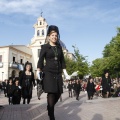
[(40, 31), (38, 39)]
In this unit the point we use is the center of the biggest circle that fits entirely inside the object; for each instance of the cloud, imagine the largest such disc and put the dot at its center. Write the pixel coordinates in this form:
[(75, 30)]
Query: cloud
[(29, 7), (62, 10)]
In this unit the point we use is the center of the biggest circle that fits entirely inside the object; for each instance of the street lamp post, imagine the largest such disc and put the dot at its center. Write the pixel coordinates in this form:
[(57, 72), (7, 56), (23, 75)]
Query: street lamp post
[(2, 75)]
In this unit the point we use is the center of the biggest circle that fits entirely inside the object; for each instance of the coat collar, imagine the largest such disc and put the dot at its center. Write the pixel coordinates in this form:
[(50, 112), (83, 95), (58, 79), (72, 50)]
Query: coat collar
[(49, 46)]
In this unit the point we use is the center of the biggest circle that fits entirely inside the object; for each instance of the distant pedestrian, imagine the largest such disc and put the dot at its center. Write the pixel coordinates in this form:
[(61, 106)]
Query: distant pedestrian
[(10, 89), (16, 92), (5, 87), (106, 84), (90, 88), (26, 82), (73, 88), (70, 87), (77, 89)]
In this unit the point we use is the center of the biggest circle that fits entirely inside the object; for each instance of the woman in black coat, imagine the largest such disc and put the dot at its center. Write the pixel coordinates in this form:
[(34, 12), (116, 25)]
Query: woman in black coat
[(70, 87), (90, 88), (27, 81), (106, 84), (54, 64), (77, 89)]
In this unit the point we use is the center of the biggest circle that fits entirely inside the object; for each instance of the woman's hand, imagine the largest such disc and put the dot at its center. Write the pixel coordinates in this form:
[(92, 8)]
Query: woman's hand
[(67, 77), (39, 74)]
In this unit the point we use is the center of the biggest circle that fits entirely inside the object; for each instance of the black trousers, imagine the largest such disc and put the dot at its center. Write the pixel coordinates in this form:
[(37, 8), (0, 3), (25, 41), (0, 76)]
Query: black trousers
[(77, 95), (90, 95), (70, 93), (52, 99)]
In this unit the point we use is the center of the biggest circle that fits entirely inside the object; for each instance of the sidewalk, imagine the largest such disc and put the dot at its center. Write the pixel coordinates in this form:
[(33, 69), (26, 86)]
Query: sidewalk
[(68, 109)]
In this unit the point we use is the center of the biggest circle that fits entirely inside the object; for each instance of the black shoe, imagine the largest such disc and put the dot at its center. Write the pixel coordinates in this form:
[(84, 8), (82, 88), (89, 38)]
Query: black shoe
[(52, 117), (28, 101), (77, 99)]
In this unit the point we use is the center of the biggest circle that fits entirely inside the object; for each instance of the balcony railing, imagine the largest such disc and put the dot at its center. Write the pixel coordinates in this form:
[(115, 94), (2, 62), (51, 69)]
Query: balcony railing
[(13, 65), (1, 64), (16, 65)]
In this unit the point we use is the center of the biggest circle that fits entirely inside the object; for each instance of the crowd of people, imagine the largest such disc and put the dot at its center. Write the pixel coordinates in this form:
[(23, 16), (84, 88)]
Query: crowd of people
[(21, 87), (104, 87), (14, 89)]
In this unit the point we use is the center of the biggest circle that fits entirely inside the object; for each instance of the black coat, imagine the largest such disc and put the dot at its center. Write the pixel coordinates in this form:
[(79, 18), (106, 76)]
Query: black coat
[(77, 87), (52, 81), (10, 89), (90, 87), (17, 91), (106, 84), (70, 87)]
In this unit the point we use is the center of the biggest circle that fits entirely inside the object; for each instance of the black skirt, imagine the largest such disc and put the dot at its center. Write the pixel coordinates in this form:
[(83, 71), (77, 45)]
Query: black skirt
[(52, 82)]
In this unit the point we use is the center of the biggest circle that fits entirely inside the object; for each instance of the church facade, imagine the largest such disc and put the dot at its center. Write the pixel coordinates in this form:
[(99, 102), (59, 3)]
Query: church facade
[(13, 57)]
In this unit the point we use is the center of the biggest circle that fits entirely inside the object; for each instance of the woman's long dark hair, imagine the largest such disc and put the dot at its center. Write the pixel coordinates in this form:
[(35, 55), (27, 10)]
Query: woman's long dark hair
[(28, 63)]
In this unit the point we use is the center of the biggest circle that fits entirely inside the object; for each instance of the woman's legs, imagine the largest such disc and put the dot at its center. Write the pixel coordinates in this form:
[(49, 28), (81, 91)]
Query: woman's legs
[(77, 95), (28, 100), (52, 99)]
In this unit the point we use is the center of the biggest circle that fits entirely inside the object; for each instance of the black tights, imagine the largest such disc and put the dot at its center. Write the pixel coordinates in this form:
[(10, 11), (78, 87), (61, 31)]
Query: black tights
[(52, 99), (28, 100)]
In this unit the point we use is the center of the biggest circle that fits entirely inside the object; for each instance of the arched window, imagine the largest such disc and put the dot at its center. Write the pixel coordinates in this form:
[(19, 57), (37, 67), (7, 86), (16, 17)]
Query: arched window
[(38, 33), (40, 23), (13, 73), (42, 32)]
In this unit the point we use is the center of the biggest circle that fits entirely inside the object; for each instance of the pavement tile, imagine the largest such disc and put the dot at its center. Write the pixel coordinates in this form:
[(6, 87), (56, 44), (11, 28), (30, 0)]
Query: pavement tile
[(69, 109)]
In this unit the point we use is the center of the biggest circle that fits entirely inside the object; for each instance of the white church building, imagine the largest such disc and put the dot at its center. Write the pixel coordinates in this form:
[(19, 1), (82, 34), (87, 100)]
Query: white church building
[(13, 57)]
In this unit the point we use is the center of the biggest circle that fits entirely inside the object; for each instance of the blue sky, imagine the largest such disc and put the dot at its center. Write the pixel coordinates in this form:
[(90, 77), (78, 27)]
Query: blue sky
[(88, 24)]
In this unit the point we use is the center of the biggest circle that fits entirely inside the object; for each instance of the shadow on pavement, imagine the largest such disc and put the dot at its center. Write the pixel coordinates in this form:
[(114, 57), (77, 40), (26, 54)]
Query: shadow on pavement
[(97, 117)]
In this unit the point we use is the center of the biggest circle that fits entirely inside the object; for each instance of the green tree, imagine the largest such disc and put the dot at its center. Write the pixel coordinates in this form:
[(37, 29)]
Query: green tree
[(79, 64), (111, 57)]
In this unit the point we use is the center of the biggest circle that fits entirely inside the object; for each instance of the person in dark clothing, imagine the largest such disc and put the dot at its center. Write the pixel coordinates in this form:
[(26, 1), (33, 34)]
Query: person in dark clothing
[(53, 56), (5, 88), (26, 82), (106, 84), (16, 92), (73, 83), (90, 88), (70, 87), (10, 89), (77, 89)]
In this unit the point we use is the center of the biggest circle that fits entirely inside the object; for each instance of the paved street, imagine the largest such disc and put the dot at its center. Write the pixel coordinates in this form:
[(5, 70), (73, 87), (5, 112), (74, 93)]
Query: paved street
[(68, 109)]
